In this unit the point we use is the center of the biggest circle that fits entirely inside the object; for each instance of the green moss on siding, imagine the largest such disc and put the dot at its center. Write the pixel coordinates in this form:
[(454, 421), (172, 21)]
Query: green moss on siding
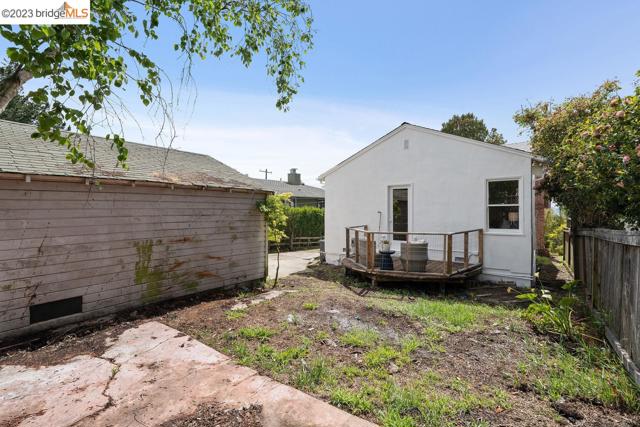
[(145, 274)]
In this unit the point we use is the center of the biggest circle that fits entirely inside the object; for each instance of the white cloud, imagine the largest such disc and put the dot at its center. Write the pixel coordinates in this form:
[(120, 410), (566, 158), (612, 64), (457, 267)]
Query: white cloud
[(247, 132)]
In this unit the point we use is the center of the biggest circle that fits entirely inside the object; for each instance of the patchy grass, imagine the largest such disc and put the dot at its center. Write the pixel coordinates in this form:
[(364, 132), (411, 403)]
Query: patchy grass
[(449, 315), (354, 402), (360, 338), (235, 314), (314, 374), (310, 306), (400, 358), (256, 333), (590, 374)]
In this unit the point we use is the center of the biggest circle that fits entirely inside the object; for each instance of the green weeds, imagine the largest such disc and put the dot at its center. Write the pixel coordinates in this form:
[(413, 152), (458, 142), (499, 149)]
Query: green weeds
[(360, 338)]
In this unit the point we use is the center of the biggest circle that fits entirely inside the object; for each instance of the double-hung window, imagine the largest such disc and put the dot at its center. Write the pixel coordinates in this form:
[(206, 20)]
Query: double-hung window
[(503, 204)]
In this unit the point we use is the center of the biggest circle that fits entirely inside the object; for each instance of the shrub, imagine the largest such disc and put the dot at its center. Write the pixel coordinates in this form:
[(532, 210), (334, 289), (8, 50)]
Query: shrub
[(553, 317), (591, 146), (305, 221)]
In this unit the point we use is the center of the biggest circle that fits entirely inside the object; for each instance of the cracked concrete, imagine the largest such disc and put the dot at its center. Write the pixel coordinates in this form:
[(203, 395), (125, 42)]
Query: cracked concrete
[(148, 375)]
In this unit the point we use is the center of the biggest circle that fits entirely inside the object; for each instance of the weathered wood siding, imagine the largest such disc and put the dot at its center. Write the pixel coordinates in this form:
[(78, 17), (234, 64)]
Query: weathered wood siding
[(119, 246), (608, 263)]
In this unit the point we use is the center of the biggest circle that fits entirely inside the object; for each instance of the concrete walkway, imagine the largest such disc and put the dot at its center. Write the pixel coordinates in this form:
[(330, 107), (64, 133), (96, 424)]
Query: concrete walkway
[(291, 262), (149, 375)]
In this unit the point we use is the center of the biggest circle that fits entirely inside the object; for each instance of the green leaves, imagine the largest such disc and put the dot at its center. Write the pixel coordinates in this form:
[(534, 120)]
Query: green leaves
[(591, 145), (275, 214), (470, 126), (81, 66)]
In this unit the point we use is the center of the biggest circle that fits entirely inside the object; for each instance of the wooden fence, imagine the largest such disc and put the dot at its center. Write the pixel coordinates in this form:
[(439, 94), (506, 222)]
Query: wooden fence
[(296, 243), (607, 262)]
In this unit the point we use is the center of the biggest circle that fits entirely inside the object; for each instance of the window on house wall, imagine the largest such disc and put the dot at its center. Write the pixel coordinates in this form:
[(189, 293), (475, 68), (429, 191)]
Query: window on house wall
[(400, 212), (503, 204)]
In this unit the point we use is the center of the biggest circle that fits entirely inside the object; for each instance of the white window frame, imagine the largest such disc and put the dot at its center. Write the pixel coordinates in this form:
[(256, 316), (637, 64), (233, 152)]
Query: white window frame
[(505, 231), (390, 189)]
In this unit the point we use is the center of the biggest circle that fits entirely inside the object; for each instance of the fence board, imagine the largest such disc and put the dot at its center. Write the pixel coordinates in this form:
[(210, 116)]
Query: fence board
[(608, 263)]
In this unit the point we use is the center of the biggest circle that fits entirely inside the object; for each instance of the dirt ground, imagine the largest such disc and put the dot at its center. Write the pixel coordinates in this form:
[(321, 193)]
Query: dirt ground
[(216, 416), (466, 366)]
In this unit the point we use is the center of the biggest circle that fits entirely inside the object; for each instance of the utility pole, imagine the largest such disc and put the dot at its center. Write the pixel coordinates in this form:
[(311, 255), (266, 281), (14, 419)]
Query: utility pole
[(266, 172)]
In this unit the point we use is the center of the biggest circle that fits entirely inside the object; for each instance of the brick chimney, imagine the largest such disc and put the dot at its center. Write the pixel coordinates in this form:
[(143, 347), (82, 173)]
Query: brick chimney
[(294, 177)]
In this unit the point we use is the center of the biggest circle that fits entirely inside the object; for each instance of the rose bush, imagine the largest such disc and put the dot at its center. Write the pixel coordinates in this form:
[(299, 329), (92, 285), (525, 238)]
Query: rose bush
[(591, 144)]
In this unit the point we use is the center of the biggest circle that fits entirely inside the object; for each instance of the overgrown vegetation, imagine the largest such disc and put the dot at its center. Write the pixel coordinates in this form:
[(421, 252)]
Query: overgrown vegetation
[(591, 145), (577, 363), (554, 225)]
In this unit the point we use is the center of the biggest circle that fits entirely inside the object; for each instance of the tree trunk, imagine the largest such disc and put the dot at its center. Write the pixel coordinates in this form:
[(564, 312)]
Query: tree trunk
[(275, 280), (11, 85)]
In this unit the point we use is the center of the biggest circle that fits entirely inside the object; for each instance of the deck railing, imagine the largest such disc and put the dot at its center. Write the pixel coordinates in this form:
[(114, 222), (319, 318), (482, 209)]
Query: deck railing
[(419, 253)]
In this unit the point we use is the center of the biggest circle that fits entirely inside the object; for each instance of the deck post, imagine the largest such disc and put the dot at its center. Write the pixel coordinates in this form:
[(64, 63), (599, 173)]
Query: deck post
[(357, 246), (444, 253), (449, 253), (370, 254), (480, 246), (347, 252), (466, 249)]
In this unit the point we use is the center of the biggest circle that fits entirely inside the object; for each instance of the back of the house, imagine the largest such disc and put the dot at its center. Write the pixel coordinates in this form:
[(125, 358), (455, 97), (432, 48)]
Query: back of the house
[(416, 179)]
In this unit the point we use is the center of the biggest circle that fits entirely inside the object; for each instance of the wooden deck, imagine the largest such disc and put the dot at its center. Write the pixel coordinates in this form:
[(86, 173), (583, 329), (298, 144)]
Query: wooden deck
[(450, 257), (433, 272)]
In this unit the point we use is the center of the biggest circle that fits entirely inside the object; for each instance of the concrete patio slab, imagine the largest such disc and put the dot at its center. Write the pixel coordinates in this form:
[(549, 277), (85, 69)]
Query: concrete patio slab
[(291, 262), (147, 376)]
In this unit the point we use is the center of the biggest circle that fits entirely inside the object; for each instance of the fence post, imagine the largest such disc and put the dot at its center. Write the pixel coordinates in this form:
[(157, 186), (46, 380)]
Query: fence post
[(480, 246), (357, 246), (291, 245)]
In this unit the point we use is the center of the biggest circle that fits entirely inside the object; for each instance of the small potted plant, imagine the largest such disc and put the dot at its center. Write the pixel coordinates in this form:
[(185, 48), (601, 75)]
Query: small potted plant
[(385, 246)]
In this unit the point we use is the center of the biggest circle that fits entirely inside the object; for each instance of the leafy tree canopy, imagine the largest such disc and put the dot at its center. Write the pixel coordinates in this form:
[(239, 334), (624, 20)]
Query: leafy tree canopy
[(470, 126), (591, 144), (495, 137), (83, 69), (20, 109)]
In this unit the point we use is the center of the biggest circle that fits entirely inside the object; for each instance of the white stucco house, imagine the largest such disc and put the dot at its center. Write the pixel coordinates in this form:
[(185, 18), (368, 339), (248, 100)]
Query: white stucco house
[(419, 180)]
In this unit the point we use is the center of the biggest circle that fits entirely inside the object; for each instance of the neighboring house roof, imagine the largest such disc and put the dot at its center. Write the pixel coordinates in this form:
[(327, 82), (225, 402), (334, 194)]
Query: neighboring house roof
[(19, 153), (405, 125), (522, 146), (299, 191)]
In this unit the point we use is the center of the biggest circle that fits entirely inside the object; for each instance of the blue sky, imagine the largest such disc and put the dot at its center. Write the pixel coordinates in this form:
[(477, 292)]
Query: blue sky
[(376, 64)]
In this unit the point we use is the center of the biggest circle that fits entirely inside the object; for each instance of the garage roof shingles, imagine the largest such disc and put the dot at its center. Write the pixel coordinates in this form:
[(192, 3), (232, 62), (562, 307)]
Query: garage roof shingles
[(279, 187), (19, 153)]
